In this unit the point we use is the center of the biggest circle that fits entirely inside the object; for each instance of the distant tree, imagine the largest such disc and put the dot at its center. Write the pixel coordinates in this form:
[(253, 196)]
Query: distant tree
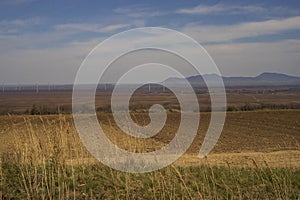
[(34, 110)]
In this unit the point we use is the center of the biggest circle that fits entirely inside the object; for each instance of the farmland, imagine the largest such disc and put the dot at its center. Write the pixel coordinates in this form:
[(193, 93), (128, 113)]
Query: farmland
[(22, 102), (256, 157)]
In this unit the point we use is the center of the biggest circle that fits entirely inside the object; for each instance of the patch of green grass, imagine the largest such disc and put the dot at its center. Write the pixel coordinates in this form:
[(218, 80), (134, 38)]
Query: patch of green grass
[(96, 181)]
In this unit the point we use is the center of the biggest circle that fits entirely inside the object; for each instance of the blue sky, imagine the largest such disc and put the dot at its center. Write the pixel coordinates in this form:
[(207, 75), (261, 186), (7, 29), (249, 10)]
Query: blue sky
[(46, 41)]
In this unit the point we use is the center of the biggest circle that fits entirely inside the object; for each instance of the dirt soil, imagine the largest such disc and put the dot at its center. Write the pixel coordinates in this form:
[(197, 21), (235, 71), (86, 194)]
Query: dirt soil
[(262, 138)]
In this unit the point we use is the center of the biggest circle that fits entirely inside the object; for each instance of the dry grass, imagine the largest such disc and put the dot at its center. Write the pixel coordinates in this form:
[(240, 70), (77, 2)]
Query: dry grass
[(43, 158)]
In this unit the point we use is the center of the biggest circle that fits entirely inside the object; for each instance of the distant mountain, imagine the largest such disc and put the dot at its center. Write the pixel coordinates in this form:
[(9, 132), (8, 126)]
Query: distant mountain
[(266, 78)]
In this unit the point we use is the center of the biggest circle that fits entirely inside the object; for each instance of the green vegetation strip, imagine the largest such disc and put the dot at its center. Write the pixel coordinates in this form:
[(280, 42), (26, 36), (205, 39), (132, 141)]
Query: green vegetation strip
[(52, 180)]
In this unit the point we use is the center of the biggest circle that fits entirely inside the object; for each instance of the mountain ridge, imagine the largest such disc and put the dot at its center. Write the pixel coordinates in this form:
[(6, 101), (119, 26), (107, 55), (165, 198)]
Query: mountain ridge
[(266, 78)]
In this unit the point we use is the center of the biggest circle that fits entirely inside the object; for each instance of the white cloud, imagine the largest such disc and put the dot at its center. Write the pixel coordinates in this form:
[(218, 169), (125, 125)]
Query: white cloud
[(138, 23), (241, 59), (139, 12), (31, 40), (21, 22), (13, 37), (59, 65), (51, 65), (223, 33), (91, 27), (17, 25), (113, 27), (17, 2), (220, 8)]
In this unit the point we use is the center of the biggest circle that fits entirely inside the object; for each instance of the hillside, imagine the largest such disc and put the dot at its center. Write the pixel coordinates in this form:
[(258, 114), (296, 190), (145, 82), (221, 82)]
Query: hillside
[(263, 79)]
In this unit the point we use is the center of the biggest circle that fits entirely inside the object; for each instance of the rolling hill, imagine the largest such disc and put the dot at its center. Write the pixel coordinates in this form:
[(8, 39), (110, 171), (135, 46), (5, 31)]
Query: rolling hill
[(263, 79)]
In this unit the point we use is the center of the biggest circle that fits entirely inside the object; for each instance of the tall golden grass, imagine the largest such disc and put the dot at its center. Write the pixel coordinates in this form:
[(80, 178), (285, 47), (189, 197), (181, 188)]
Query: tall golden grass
[(48, 161)]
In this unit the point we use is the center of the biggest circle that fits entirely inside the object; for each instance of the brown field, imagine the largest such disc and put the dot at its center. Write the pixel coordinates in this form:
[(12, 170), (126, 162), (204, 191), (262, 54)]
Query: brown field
[(256, 157), (271, 136), (22, 102), (263, 131)]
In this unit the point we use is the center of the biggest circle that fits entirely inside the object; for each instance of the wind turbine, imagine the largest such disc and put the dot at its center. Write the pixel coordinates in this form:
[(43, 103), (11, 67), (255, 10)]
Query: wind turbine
[(149, 88), (37, 88)]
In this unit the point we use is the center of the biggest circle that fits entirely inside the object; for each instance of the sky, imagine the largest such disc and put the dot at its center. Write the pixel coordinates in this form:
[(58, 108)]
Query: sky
[(46, 41)]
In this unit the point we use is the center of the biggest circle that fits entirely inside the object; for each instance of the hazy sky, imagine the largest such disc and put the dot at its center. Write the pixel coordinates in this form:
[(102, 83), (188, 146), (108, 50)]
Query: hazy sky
[(46, 41)]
